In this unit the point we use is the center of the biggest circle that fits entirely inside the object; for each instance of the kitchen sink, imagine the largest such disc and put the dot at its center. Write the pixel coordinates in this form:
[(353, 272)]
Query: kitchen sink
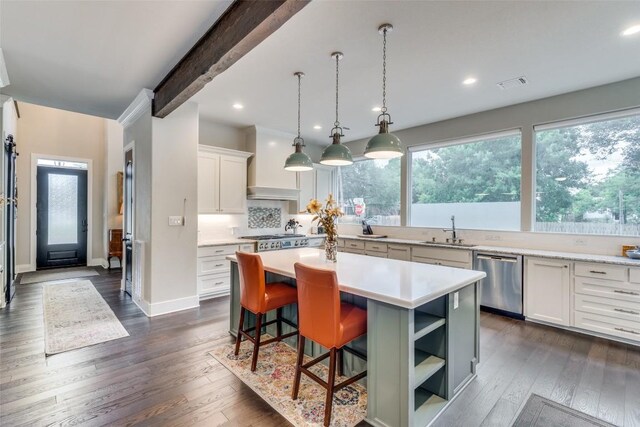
[(460, 245)]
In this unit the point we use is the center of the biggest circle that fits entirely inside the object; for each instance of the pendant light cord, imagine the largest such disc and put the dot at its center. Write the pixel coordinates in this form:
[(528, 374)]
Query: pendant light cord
[(299, 79), (384, 71), (337, 123)]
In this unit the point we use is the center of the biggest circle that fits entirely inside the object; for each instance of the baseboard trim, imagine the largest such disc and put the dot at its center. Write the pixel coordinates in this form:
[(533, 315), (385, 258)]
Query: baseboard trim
[(24, 268), (142, 305), (98, 262), (171, 306)]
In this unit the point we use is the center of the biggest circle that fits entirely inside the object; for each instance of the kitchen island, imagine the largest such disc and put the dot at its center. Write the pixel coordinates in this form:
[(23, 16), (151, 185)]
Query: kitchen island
[(422, 344)]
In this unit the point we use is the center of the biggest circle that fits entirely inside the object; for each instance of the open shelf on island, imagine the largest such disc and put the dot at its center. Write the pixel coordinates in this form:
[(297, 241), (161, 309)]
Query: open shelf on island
[(427, 405), (426, 365), (425, 323)]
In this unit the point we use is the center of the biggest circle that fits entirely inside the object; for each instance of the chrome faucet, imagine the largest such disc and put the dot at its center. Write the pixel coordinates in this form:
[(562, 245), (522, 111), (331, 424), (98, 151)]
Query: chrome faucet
[(454, 235)]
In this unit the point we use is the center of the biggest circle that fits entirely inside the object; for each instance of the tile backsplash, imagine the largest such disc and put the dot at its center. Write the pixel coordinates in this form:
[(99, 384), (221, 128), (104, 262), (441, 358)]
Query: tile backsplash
[(261, 217)]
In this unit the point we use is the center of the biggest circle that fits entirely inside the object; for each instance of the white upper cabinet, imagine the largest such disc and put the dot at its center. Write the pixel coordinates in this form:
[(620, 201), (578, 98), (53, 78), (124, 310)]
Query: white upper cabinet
[(222, 180), (547, 290), (315, 184)]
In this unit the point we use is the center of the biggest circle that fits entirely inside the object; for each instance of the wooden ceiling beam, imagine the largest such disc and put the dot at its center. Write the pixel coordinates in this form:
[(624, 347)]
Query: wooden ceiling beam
[(243, 26)]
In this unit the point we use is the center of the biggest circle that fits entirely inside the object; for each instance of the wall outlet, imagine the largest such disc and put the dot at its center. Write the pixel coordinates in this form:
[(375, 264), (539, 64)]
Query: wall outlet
[(175, 221), (580, 242)]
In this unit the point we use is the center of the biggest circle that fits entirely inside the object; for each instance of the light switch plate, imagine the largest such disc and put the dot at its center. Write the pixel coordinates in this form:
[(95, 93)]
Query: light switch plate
[(456, 300), (175, 221)]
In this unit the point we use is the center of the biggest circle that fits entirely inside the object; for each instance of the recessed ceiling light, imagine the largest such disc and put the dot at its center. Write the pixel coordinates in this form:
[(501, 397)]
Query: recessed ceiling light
[(376, 109), (631, 30), (317, 127), (238, 106), (469, 81)]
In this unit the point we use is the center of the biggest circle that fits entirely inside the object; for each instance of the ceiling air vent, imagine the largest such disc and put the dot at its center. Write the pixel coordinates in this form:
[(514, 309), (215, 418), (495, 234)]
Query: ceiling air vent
[(511, 83)]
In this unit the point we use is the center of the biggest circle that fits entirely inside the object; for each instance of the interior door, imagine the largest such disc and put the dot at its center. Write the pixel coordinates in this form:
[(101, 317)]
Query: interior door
[(61, 217), (128, 222)]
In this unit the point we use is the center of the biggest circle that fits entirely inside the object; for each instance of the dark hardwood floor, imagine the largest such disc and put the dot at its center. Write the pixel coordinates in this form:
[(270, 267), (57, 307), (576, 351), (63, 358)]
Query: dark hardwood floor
[(162, 375)]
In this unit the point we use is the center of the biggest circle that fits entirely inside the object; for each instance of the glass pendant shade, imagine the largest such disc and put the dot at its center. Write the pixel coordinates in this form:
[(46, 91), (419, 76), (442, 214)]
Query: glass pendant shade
[(298, 161), (384, 145), (336, 154)]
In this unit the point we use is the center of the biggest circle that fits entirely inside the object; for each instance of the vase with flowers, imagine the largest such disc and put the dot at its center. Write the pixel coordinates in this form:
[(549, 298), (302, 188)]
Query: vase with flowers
[(326, 217)]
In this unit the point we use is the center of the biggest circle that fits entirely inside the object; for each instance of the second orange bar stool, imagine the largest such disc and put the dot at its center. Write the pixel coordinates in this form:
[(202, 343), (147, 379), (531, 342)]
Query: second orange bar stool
[(259, 297), (324, 319)]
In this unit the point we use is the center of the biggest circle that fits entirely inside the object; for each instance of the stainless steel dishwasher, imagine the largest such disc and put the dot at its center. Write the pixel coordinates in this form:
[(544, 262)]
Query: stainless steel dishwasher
[(501, 290)]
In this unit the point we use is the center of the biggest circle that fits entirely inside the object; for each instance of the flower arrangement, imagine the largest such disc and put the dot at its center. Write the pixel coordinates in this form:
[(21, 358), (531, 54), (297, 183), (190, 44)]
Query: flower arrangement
[(326, 216)]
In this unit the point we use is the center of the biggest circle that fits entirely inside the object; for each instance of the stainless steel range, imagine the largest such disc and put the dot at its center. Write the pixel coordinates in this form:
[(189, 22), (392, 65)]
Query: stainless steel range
[(274, 242)]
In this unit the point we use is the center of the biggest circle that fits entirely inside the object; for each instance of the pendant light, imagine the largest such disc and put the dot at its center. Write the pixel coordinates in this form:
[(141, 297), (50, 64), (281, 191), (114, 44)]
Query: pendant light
[(336, 154), (384, 145), (298, 161)]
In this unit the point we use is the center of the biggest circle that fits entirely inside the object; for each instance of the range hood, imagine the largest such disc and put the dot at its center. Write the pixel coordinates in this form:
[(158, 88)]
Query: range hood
[(266, 177)]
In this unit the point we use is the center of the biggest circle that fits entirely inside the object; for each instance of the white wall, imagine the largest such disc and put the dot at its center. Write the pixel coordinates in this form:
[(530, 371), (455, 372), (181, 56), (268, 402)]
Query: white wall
[(48, 131), (114, 164), (221, 135), (175, 151), (601, 99)]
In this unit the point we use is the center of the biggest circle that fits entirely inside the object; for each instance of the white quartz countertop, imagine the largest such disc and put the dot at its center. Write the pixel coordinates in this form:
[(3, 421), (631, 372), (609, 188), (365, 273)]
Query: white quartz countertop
[(400, 283), (573, 256)]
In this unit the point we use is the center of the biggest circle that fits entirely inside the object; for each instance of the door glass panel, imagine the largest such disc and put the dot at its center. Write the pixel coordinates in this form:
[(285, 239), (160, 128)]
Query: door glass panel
[(63, 209)]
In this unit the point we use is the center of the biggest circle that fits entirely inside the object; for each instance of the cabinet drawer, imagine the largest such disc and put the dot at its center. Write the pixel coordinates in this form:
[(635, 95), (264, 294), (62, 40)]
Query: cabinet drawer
[(316, 243), (214, 284), (217, 250), (601, 271), (353, 251), (446, 254), (212, 265), (608, 325), (354, 244), (341, 243), (375, 247), (376, 254), (444, 263), (627, 310), (607, 288), (634, 275), (399, 252)]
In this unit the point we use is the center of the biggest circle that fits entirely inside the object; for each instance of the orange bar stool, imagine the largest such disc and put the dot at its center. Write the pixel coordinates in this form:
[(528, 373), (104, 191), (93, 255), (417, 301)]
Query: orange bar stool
[(259, 297), (324, 319)]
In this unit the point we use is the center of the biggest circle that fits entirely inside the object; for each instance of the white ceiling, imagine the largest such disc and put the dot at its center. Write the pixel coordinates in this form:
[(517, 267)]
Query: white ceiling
[(94, 57), (559, 46)]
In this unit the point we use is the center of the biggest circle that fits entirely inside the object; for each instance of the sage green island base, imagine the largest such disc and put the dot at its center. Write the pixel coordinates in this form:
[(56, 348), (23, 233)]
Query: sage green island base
[(418, 356)]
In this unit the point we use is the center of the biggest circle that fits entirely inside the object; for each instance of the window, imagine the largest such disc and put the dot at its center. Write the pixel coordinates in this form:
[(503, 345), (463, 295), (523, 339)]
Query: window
[(588, 176), (477, 180), (371, 192)]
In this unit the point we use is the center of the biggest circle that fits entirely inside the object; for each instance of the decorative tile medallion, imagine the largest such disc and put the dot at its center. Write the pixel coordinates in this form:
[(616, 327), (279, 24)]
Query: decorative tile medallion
[(265, 217)]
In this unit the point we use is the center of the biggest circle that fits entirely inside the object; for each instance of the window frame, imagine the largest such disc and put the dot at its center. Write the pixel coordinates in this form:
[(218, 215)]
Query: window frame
[(449, 143), (560, 124)]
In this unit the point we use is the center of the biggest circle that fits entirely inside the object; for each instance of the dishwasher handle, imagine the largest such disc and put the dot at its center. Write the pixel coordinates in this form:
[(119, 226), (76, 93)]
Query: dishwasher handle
[(497, 258)]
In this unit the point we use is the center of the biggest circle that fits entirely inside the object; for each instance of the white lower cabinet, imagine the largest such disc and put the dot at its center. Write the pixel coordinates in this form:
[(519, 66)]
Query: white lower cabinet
[(547, 290), (214, 270), (607, 300), (401, 252)]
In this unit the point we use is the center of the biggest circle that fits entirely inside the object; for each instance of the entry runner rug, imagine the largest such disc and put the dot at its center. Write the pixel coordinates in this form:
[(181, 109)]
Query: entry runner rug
[(75, 316), (273, 380), (50, 275), (541, 412)]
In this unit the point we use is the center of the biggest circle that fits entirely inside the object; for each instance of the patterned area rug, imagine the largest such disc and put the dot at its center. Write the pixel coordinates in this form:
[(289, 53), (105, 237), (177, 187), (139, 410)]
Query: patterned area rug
[(541, 412), (50, 275), (75, 316), (273, 380)]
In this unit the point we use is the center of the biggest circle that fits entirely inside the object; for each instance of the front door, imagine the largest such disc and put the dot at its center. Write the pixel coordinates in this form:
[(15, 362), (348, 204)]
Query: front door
[(128, 221), (61, 217)]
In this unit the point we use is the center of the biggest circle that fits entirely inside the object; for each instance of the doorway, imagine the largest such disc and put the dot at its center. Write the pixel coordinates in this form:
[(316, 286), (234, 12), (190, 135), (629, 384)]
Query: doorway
[(61, 214), (128, 220)]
